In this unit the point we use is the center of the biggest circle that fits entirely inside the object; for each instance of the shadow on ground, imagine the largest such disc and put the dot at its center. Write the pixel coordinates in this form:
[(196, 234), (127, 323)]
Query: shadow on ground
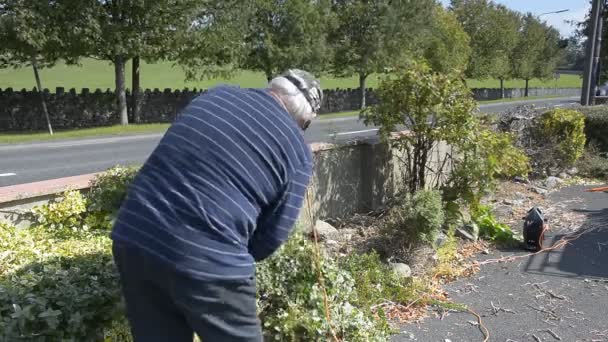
[(585, 256)]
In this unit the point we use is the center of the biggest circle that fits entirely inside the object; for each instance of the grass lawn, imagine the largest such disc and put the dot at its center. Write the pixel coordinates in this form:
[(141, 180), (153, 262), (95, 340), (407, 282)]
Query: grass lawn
[(15, 138), (100, 74), (517, 99)]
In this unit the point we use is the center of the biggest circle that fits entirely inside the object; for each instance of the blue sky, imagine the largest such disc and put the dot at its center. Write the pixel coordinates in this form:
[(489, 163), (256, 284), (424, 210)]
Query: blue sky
[(578, 9)]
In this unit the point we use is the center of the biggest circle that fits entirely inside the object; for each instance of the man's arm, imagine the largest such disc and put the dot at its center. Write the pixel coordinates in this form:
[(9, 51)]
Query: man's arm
[(277, 223)]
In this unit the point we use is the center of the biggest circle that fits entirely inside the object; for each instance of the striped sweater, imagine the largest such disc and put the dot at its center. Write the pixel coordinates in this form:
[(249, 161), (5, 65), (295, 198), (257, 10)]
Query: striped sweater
[(222, 189)]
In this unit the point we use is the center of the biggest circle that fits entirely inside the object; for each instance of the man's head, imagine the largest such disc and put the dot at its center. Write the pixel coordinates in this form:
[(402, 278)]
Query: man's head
[(301, 94)]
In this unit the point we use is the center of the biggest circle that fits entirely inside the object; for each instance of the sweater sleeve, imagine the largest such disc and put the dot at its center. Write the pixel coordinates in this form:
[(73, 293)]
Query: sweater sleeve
[(276, 223)]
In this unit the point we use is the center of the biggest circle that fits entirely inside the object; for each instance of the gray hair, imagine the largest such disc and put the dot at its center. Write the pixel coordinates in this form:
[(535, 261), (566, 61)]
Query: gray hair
[(294, 100)]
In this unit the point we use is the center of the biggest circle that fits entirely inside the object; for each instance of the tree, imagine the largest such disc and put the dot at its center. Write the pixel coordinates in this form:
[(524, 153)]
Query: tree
[(434, 107), (371, 36), (551, 54), (474, 16), (203, 37), (214, 44), (574, 54), (531, 52), (118, 31), (285, 34), (494, 32), (29, 36), (505, 26), (446, 45)]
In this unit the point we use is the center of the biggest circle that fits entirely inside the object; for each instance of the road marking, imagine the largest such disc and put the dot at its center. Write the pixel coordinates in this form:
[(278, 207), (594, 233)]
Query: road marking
[(354, 132), (7, 174)]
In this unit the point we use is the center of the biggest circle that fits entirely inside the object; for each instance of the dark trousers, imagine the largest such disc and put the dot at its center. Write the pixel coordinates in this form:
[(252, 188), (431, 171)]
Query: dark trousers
[(163, 305)]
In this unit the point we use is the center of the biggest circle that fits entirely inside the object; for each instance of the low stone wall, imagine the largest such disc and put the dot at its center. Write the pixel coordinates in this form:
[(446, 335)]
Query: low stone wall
[(21, 110), (355, 178)]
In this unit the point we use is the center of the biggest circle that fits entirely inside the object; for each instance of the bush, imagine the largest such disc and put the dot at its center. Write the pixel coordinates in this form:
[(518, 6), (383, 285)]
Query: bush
[(108, 190), (564, 133), (417, 219), (376, 282), (596, 125), (490, 228), (485, 156), (63, 215), (56, 289), (435, 108), (290, 300), (593, 165)]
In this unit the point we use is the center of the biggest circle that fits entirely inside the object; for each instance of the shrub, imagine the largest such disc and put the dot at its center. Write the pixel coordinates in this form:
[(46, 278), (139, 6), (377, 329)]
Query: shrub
[(108, 190), (376, 282), (290, 303), (63, 215), (564, 132), (490, 228), (485, 156), (596, 125), (67, 289), (417, 219), (56, 289), (434, 107), (593, 165)]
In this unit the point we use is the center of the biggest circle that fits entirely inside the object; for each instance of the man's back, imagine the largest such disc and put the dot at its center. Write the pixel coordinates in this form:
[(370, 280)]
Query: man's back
[(222, 188)]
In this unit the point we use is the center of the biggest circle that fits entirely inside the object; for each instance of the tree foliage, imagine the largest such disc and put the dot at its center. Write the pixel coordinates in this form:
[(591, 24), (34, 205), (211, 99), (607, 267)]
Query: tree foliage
[(537, 52), (286, 34), (30, 36), (437, 111), (506, 25), (447, 46), (370, 36), (118, 31), (494, 33), (434, 107)]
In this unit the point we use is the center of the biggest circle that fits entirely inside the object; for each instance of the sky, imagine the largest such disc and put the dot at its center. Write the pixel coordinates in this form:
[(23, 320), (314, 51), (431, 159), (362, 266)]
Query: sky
[(578, 10)]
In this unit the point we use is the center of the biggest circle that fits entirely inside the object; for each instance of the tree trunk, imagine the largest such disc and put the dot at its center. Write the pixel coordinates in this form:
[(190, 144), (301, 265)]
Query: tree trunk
[(121, 109), (42, 100), (526, 93), (135, 96), (362, 79), (502, 88)]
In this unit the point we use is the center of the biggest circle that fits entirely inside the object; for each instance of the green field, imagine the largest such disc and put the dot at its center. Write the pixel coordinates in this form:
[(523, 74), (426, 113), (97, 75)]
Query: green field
[(100, 74)]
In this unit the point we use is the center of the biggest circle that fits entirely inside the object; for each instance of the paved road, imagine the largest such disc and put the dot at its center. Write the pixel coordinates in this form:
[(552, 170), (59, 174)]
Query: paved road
[(564, 291), (41, 161)]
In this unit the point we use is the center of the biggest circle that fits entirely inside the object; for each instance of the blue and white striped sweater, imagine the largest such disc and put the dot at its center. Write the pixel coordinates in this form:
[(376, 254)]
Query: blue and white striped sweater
[(222, 189)]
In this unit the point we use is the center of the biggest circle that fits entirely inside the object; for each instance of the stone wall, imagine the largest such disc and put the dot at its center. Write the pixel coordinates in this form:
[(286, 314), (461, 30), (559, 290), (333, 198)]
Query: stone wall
[(21, 110), (357, 177)]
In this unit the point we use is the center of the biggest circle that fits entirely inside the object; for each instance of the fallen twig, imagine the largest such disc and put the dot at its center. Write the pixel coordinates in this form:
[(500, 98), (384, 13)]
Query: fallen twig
[(555, 296), (537, 338), (556, 336), (550, 323), (484, 330), (543, 310), (497, 309)]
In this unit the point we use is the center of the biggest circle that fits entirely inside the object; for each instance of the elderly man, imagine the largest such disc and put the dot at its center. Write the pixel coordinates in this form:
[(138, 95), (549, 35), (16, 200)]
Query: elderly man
[(221, 191)]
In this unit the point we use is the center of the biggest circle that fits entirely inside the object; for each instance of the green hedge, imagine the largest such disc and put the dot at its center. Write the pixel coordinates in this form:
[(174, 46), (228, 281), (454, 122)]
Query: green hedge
[(596, 125), (58, 281)]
